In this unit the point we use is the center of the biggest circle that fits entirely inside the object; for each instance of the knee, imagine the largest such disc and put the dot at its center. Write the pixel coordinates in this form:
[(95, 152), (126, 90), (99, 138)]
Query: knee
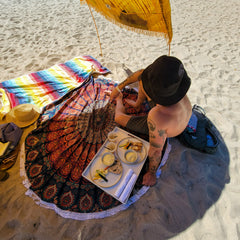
[(117, 118), (121, 119)]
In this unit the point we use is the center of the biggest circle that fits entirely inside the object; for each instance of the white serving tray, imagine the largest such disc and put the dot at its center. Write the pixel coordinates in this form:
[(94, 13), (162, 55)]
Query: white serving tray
[(114, 180)]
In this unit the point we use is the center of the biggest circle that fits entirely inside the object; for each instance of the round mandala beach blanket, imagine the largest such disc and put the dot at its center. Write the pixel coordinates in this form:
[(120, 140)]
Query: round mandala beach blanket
[(69, 133)]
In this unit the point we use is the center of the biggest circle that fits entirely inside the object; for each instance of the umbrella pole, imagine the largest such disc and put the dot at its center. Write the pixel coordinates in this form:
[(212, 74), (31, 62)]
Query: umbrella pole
[(96, 29)]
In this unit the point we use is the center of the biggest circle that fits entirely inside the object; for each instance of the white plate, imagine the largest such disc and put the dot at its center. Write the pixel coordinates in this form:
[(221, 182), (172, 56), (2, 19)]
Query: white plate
[(121, 151), (111, 177)]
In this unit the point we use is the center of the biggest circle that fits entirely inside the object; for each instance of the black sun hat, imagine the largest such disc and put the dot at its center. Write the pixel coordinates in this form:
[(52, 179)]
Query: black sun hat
[(165, 80)]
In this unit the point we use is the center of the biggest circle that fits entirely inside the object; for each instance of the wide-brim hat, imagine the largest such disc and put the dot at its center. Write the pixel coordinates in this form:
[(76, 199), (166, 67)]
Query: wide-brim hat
[(165, 80), (23, 115)]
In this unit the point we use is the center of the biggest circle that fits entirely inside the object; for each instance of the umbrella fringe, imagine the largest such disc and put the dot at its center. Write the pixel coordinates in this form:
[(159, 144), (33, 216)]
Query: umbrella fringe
[(167, 35)]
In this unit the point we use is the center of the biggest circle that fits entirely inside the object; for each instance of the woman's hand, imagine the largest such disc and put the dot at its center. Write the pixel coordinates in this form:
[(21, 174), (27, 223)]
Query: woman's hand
[(149, 179), (134, 104), (114, 94)]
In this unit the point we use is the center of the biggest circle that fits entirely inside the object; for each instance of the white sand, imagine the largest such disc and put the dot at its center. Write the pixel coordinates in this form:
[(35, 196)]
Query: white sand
[(38, 34)]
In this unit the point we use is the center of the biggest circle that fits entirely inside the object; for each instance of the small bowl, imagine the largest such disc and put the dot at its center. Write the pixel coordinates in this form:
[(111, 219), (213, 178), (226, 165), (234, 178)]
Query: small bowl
[(108, 159), (112, 136), (131, 156), (111, 146)]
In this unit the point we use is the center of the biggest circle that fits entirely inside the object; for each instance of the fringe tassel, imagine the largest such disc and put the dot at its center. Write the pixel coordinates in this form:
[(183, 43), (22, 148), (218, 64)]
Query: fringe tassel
[(85, 216), (167, 36)]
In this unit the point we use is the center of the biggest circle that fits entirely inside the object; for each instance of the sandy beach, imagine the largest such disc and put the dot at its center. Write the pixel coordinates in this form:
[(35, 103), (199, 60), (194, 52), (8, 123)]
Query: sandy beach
[(38, 34)]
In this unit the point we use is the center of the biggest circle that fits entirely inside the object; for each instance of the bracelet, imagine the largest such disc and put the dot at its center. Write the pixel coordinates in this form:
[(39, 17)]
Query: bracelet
[(118, 89)]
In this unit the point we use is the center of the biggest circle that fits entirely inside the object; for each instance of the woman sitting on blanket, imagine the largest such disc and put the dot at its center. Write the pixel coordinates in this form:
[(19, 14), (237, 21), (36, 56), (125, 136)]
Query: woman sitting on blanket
[(165, 84)]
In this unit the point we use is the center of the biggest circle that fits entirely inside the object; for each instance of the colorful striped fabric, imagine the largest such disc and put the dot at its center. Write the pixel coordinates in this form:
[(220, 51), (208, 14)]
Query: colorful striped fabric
[(44, 87), (5, 106)]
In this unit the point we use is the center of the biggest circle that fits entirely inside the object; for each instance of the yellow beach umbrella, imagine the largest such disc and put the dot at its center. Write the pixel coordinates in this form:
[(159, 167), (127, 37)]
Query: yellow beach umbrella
[(150, 17)]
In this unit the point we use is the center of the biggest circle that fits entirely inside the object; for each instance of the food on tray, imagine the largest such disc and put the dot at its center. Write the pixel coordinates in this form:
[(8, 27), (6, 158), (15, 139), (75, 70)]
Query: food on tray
[(101, 175), (125, 145), (112, 136), (111, 146), (136, 146), (131, 156), (108, 158), (116, 168)]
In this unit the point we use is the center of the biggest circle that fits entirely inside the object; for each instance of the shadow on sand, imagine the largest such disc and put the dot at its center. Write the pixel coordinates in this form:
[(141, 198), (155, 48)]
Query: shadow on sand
[(189, 185)]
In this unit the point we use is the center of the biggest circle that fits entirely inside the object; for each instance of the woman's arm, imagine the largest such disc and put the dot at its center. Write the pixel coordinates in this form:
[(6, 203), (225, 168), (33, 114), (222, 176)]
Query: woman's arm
[(140, 99), (130, 79)]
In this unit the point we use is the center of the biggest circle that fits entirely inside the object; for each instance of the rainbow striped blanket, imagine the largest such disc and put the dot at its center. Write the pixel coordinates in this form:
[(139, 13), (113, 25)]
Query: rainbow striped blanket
[(44, 87)]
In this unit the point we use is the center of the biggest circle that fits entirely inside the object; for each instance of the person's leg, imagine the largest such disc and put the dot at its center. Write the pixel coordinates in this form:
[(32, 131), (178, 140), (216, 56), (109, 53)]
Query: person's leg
[(135, 123), (120, 114)]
